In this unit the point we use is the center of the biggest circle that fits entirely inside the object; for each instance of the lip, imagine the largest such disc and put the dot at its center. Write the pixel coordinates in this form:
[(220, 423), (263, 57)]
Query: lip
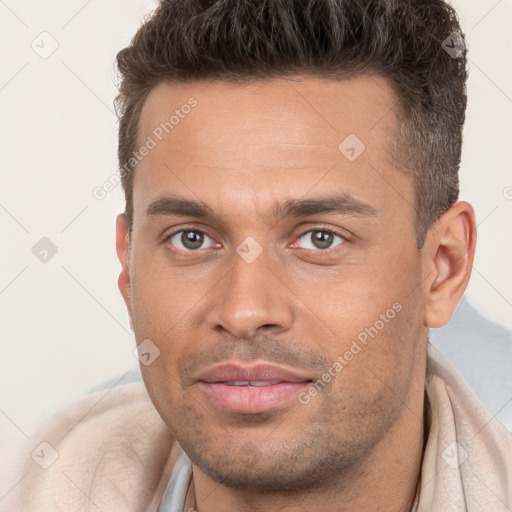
[(283, 386)]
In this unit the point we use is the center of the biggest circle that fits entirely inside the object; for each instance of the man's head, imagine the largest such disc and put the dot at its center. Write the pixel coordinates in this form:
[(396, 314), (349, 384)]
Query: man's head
[(242, 41), (298, 155)]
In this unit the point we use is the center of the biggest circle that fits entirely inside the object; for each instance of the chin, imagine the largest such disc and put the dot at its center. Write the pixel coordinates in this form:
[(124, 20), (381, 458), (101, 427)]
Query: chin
[(280, 470)]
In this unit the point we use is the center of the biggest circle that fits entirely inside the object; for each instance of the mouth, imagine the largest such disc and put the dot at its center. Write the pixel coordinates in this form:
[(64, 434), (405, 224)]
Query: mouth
[(251, 384), (252, 389)]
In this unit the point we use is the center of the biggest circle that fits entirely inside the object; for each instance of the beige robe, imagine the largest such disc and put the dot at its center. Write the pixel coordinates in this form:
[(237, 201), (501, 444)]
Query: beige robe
[(114, 455)]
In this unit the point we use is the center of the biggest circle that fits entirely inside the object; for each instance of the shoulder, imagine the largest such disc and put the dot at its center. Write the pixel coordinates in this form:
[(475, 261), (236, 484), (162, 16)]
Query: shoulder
[(106, 451), (468, 456)]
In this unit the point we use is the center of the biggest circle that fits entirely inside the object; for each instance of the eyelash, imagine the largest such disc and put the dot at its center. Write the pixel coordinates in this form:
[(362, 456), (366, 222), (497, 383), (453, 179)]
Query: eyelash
[(311, 230)]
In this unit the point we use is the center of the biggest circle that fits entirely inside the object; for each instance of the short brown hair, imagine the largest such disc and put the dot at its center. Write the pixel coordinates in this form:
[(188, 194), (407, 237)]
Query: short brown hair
[(240, 40)]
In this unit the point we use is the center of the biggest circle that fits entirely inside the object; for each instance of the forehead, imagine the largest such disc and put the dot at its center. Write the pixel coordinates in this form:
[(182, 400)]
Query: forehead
[(304, 111), (267, 138)]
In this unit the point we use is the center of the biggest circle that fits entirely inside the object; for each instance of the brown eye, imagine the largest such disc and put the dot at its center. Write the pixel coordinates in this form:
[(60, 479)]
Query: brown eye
[(190, 240), (320, 239)]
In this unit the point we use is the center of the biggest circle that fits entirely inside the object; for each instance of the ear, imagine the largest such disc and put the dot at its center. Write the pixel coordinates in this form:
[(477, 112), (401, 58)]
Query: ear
[(447, 257), (123, 252)]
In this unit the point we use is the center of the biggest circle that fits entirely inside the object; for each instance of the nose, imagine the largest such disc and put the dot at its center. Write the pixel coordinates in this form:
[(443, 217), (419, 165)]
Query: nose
[(251, 299)]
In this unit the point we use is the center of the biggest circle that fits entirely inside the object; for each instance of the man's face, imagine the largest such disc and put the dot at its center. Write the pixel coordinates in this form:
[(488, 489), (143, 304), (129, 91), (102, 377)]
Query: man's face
[(303, 256)]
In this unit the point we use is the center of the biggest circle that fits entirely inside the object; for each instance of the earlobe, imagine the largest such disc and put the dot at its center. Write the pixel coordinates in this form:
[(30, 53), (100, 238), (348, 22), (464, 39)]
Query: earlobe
[(122, 248), (449, 251)]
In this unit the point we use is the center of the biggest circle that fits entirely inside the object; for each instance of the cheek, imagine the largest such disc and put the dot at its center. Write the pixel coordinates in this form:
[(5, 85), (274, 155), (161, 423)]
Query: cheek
[(376, 373), (163, 298), (377, 332), (358, 307), (167, 306)]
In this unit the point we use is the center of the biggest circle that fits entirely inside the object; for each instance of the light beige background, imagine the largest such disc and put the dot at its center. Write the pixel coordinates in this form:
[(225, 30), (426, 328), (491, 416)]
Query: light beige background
[(64, 327)]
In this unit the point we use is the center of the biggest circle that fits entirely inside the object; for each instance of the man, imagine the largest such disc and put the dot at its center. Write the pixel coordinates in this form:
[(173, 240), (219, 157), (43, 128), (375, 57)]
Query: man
[(291, 232)]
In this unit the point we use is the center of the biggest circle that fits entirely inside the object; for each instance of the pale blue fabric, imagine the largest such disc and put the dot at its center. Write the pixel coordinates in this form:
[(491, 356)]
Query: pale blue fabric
[(175, 493)]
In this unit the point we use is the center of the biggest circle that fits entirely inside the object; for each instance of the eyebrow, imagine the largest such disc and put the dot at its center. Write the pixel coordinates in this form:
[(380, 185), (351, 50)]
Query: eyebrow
[(178, 207), (343, 204)]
